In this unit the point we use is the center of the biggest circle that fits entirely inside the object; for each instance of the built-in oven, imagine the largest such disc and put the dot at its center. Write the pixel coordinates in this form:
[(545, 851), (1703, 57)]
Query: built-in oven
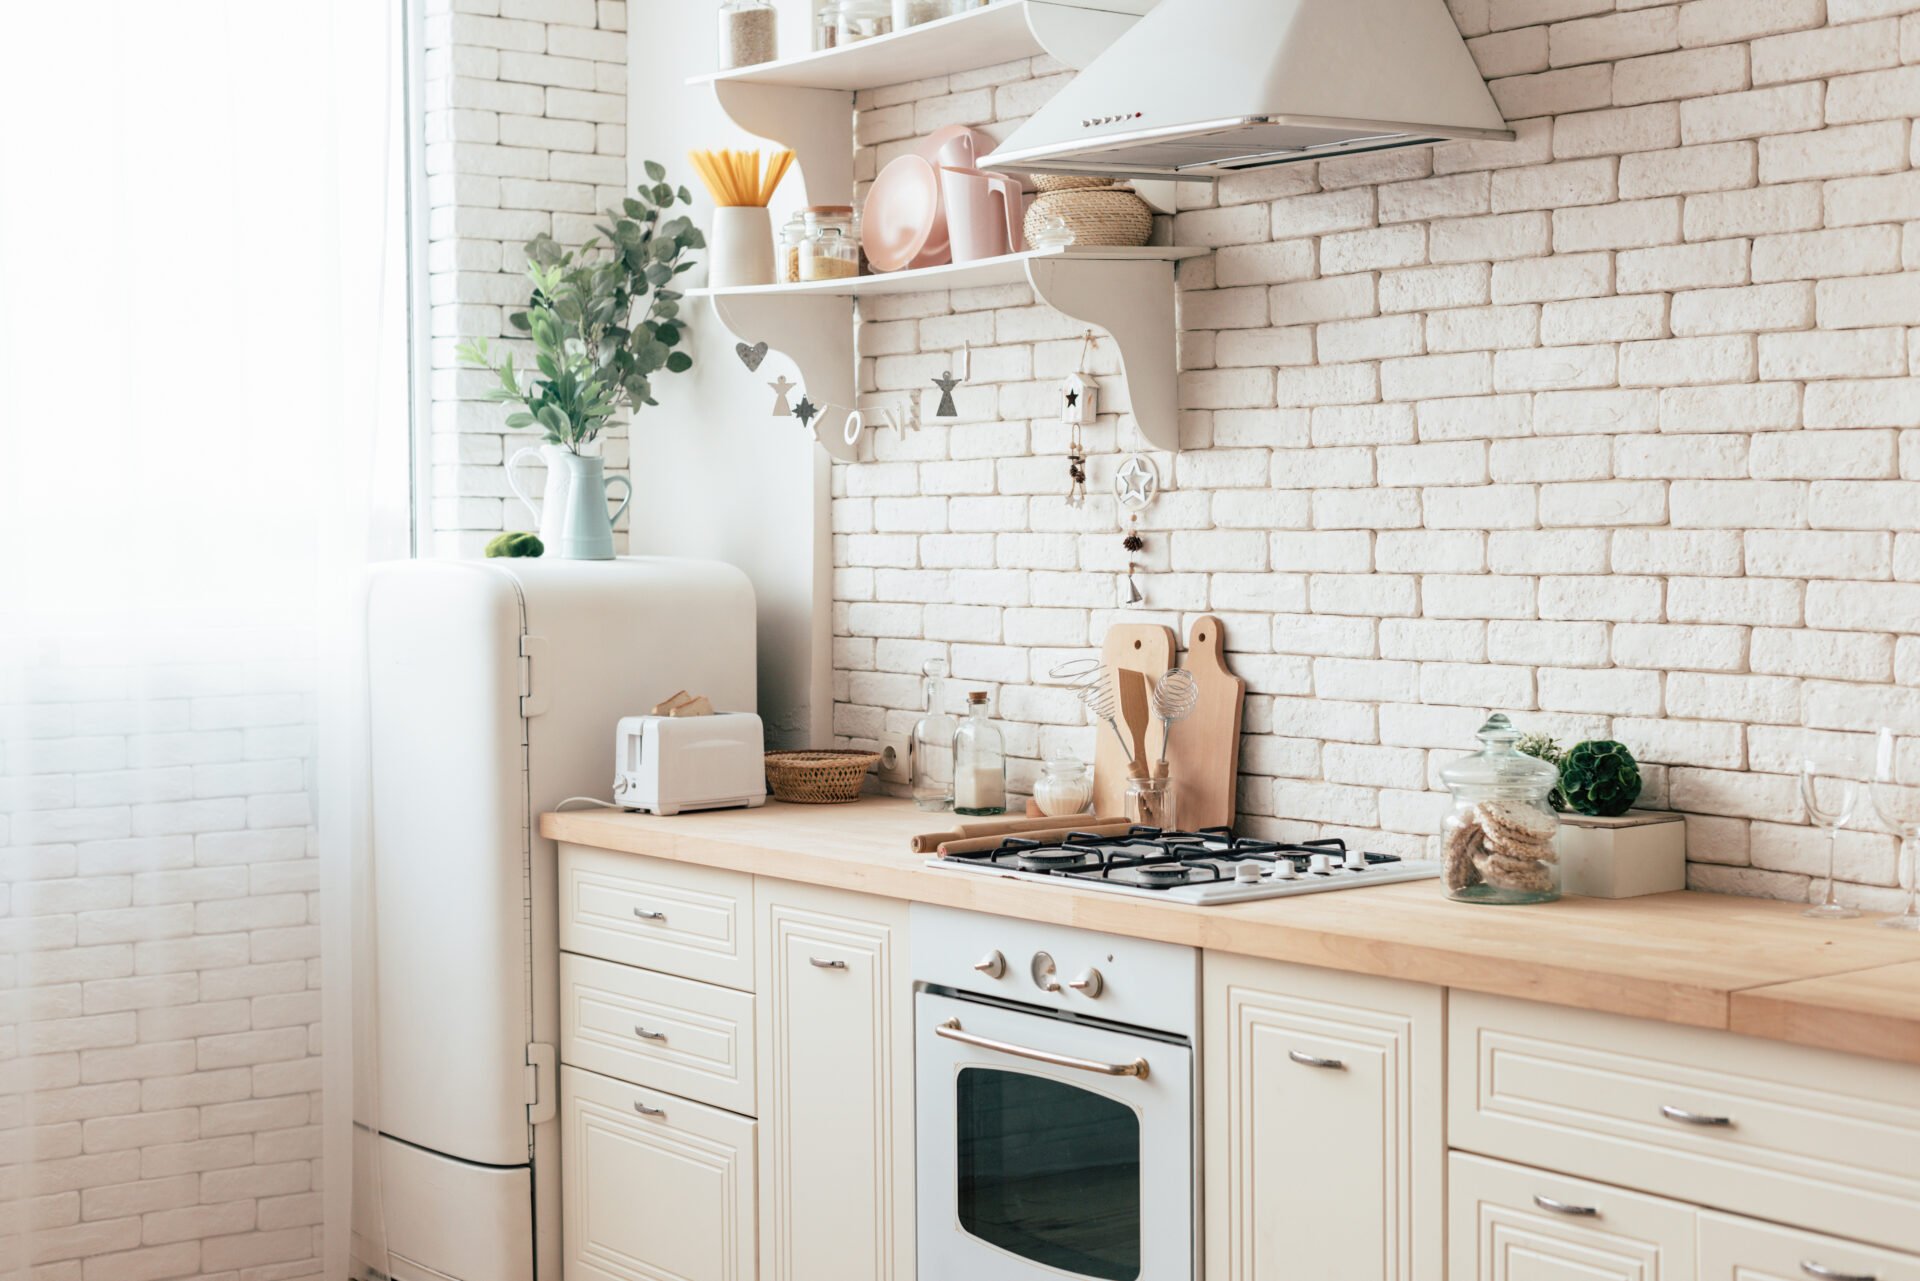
[(1053, 1142)]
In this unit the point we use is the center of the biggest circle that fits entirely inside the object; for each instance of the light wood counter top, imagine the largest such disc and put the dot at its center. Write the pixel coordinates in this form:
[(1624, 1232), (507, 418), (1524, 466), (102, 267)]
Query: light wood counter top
[(1751, 965)]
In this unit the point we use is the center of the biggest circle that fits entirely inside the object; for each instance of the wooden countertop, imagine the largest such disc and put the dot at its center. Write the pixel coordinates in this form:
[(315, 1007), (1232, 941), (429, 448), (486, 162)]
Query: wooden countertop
[(1749, 965)]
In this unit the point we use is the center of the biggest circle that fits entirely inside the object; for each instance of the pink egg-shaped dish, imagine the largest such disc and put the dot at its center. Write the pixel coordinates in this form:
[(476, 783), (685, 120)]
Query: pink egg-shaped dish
[(903, 225)]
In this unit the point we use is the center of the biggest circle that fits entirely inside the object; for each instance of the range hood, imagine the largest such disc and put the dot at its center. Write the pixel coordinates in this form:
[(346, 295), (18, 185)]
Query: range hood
[(1201, 88)]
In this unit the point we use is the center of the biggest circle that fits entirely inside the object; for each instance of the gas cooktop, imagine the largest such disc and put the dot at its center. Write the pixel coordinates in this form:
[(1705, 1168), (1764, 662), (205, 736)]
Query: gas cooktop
[(1209, 866)]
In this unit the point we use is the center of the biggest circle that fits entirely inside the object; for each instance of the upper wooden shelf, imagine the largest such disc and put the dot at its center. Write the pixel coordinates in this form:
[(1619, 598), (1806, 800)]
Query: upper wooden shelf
[(1007, 270), (1003, 31)]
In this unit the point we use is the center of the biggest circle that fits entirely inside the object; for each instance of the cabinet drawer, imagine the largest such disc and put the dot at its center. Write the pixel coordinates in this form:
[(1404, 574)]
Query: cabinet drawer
[(653, 1186), (1741, 1250), (1781, 1132), (691, 1039), (1507, 1223), (678, 918)]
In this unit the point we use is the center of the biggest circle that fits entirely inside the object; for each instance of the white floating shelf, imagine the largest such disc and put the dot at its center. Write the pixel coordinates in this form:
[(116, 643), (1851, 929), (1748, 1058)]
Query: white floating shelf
[(1127, 292), (1000, 32), (1008, 270)]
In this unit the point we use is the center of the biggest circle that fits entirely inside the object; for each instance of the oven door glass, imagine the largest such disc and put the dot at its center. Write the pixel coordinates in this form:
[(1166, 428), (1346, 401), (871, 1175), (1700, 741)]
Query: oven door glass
[(1033, 1166), (1049, 1171)]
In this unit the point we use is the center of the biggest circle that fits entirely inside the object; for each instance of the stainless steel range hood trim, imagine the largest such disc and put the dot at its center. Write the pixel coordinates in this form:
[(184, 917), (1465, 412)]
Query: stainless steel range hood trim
[(1082, 157)]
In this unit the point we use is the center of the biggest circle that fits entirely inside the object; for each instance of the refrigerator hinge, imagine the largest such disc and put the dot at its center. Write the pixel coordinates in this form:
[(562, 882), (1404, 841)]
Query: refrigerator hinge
[(533, 696), (543, 1087)]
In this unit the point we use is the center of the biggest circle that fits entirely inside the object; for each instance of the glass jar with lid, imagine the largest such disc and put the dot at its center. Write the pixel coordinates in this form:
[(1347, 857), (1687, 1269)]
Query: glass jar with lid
[(793, 238), (1497, 842), (831, 248), (979, 762), (748, 33), (1064, 787)]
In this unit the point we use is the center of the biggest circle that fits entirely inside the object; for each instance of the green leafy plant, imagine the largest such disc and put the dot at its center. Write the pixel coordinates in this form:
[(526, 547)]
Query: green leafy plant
[(603, 321), (516, 543), (1600, 777), (1545, 748)]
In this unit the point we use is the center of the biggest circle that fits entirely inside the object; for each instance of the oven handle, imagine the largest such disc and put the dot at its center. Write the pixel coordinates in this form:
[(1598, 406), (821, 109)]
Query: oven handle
[(951, 1030)]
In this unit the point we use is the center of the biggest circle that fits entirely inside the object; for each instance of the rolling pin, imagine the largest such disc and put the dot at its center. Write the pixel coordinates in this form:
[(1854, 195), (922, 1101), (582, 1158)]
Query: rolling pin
[(927, 842), (1046, 836)]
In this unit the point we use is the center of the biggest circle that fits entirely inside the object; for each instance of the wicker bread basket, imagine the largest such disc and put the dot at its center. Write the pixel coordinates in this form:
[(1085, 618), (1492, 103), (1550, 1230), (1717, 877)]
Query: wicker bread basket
[(818, 777), (1098, 216)]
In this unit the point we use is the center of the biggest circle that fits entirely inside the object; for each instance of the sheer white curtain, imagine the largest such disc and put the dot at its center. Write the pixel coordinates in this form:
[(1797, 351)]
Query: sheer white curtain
[(202, 438)]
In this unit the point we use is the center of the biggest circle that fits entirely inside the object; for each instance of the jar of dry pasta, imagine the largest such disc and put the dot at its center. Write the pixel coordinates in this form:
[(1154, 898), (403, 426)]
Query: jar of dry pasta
[(1497, 843)]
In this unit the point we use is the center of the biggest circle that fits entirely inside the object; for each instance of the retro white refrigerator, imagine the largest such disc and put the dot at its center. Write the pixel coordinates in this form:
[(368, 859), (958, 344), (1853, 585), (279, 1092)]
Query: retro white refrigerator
[(494, 691)]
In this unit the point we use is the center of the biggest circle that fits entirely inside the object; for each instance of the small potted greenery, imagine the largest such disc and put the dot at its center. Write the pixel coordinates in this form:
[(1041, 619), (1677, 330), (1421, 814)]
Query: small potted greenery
[(1607, 848), (605, 325)]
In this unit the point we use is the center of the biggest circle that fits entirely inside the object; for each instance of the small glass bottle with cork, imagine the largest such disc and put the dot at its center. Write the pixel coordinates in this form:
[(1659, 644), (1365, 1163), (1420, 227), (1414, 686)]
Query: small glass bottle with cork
[(979, 762)]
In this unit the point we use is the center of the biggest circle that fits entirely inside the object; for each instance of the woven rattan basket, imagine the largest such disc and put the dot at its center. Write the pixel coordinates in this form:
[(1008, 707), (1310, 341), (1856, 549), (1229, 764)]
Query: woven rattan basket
[(1102, 216), (818, 777), (1069, 182)]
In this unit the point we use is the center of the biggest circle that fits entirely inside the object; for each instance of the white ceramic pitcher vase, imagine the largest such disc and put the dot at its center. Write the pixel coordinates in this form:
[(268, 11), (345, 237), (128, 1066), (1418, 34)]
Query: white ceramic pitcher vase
[(572, 512)]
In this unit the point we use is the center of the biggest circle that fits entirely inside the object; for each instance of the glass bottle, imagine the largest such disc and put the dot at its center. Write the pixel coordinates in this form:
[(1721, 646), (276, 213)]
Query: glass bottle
[(1064, 787), (747, 33), (979, 762), (1497, 842), (933, 742)]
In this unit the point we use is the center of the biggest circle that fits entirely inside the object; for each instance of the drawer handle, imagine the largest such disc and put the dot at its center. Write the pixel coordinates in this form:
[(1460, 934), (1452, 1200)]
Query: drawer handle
[(644, 1110), (1565, 1207), (1314, 1060), (821, 963), (645, 915), (647, 1034), (1692, 1118), (1813, 1269)]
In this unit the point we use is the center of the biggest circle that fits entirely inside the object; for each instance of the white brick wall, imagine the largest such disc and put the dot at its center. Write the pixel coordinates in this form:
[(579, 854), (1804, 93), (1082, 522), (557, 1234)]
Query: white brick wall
[(159, 962), (526, 107), (1615, 427)]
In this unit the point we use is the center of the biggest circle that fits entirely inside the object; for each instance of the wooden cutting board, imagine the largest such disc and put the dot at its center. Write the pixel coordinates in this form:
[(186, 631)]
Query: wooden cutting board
[(1204, 755), (1147, 648)]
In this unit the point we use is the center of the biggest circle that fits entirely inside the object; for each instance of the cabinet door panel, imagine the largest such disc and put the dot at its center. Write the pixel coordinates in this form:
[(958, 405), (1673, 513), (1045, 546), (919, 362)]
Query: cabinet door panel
[(836, 1086), (1503, 1227), (1736, 1249), (1329, 1078), (654, 1188)]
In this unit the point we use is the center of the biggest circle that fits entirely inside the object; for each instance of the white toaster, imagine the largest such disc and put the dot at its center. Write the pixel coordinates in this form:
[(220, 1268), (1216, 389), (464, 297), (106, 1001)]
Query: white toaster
[(666, 764)]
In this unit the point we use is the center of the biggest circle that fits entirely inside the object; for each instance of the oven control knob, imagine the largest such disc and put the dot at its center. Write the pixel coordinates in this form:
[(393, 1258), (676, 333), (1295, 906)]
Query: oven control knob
[(1320, 864), (1043, 970), (993, 965), (1089, 984), (1248, 872), (1356, 860), (1284, 870)]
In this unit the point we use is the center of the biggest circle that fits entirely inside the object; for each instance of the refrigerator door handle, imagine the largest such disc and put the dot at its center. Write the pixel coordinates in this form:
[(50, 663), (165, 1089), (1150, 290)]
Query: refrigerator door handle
[(543, 1085), (534, 698)]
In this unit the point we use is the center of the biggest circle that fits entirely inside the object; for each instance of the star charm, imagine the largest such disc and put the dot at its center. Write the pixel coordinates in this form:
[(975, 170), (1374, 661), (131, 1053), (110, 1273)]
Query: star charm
[(805, 412), (1136, 482), (1073, 398)]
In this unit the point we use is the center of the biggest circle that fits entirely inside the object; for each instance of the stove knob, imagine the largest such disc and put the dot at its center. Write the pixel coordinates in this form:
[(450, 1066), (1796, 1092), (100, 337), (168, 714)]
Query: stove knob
[(1042, 970), (1356, 860), (1284, 870), (993, 965), (1320, 864), (1248, 872), (1089, 984)]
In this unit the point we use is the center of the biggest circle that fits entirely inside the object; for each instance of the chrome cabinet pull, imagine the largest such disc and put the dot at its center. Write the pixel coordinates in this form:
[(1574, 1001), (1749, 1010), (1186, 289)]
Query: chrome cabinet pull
[(1565, 1207), (1692, 1118), (951, 1031), (1813, 1269), (644, 1110), (645, 915), (821, 963), (647, 1034), (1314, 1060)]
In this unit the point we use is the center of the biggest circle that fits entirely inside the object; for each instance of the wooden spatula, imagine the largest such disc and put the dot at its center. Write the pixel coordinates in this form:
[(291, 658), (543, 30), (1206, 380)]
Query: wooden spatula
[(1135, 716)]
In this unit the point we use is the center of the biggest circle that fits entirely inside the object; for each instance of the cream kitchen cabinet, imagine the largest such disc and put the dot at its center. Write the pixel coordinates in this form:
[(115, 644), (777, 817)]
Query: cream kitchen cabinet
[(1510, 1223), (835, 1073), (654, 1187), (1735, 1249), (1327, 1084)]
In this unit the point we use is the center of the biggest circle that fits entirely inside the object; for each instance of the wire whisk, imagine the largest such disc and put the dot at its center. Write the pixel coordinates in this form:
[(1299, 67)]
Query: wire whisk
[(1092, 683), (1175, 695)]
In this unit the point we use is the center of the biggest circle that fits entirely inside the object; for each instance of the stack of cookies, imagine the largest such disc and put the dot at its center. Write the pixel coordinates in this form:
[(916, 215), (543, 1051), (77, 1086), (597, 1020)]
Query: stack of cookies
[(1505, 844)]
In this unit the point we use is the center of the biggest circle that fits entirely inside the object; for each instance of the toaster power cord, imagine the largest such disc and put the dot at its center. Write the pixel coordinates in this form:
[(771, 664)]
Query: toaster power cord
[(588, 800)]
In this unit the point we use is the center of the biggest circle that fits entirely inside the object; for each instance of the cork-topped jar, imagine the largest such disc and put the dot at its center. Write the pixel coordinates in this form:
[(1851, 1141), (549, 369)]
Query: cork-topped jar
[(1497, 841)]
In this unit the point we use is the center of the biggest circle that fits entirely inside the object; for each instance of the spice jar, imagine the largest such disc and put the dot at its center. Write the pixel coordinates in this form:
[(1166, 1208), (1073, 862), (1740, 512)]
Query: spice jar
[(748, 33), (1064, 787), (1497, 842)]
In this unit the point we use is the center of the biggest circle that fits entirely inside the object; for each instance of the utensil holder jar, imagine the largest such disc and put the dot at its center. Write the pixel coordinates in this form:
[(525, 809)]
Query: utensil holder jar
[(742, 248)]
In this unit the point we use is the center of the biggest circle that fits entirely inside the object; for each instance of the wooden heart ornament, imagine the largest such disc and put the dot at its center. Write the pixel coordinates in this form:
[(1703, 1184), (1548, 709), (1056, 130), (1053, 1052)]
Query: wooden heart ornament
[(751, 356)]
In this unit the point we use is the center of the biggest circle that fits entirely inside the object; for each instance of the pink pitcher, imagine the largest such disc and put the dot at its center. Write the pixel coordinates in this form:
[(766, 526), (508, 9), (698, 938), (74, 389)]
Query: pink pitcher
[(984, 212)]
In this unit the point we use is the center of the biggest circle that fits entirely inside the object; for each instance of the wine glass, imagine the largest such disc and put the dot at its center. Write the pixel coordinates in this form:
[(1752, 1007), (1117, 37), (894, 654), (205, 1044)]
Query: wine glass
[(1898, 805), (1832, 799)]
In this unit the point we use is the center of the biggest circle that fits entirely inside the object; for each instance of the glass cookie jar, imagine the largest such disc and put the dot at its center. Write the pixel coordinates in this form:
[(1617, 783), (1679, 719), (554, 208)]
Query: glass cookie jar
[(1497, 841)]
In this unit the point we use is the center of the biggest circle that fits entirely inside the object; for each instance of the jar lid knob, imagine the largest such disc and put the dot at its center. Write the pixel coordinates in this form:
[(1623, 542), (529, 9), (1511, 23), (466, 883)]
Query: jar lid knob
[(1497, 730)]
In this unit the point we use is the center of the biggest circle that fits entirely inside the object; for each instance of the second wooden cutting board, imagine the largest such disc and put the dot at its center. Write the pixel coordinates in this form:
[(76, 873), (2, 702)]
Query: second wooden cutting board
[(1204, 752)]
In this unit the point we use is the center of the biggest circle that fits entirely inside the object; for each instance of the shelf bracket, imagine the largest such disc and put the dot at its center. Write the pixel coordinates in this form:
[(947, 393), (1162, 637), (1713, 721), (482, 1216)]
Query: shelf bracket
[(815, 331), (815, 124), (1133, 302)]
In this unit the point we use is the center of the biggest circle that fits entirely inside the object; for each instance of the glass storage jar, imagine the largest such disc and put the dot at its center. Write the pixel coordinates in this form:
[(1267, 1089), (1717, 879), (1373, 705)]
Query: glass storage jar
[(851, 21), (748, 33), (1497, 841), (1064, 787), (793, 239), (1149, 803)]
